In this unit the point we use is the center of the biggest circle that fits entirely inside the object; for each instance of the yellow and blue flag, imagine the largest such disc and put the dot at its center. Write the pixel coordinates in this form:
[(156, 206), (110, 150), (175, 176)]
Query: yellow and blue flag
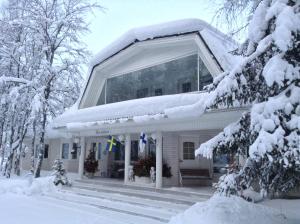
[(111, 144)]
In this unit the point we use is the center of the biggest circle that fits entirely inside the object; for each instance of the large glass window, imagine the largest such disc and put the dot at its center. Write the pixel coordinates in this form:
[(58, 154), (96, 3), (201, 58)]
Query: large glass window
[(173, 77)]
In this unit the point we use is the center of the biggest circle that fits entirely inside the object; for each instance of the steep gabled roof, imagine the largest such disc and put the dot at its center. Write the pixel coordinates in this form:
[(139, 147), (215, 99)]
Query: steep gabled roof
[(162, 30), (217, 43)]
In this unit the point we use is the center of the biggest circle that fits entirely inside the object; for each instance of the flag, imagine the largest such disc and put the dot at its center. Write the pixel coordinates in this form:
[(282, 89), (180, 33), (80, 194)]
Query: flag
[(143, 141), (111, 144)]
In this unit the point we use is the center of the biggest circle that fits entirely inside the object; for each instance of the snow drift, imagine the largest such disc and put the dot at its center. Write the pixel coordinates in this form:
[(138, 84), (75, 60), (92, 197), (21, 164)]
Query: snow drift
[(228, 210), (27, 185)]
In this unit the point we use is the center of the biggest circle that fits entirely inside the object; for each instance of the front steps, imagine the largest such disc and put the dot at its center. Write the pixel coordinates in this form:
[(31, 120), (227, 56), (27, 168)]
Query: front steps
[(142, 204)]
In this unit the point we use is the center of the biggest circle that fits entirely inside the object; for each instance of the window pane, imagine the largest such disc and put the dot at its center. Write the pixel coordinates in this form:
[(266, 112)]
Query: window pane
[(172, 77), (99, 150), (46, 151), (120, 152), (65, 151), (134, 150), (94, 148), (74, 151), (205, 77), (101, 99), (188, 150)]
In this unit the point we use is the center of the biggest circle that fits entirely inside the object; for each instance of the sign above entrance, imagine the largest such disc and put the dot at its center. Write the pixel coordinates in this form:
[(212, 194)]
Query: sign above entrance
[(102, 132)]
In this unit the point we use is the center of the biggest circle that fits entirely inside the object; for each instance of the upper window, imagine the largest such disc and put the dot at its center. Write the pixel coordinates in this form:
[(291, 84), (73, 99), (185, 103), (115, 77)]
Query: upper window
[(182, 75), (65, 151), (188, 150)]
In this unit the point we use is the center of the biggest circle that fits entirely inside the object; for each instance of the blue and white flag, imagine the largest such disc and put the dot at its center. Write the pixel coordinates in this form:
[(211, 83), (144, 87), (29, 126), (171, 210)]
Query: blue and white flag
[(143, 141)]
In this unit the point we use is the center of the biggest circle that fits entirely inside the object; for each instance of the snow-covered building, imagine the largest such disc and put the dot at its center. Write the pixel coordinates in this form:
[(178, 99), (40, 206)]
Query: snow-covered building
[(150, 81)]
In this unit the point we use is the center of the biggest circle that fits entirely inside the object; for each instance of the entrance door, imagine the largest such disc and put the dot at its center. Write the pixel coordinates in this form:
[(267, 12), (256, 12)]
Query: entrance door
[(188, 145), (97, 144)]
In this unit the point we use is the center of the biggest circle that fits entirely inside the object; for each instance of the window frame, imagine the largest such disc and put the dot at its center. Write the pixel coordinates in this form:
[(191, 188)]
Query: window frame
[(74, 151), (190, 154), (104, 88), (47, 146), (62, 150)]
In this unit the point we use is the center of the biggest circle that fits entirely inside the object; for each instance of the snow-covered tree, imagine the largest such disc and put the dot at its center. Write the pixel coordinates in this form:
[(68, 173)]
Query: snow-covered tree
[(60, 173), (268, 81), (41, 54)]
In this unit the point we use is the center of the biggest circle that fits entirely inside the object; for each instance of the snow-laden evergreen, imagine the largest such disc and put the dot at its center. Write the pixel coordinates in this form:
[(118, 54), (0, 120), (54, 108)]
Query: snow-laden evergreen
[(267, 80), (60, 173)]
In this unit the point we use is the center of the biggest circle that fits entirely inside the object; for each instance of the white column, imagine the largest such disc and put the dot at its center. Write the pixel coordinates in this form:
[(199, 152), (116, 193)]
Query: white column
[(159, 160), (81, 157), (127, 157)]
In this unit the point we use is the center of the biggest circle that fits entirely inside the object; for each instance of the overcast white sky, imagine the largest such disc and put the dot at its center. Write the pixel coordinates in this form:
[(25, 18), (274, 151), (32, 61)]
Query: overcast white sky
[(122, 15)]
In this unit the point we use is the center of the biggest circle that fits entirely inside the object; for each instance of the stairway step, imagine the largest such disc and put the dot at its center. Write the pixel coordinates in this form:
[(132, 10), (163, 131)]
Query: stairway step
[(143, 188), (154, 216), (143, 194), (172, 207)]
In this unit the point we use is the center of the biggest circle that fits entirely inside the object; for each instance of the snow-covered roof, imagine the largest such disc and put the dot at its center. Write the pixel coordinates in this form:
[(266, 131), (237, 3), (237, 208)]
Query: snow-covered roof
[(219, 43), (153, 107), (137, 110)]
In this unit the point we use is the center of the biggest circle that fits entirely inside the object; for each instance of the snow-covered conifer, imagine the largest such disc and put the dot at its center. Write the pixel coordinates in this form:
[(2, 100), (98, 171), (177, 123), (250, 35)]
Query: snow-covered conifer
[(268, 81), (60, 173)]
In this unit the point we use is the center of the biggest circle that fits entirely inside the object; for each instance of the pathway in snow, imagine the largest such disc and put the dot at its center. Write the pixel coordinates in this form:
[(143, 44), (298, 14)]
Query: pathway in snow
[(35, 201), (126, 204)]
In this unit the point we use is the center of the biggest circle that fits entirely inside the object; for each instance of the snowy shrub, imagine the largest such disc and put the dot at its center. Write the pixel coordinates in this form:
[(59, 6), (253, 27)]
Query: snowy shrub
[(60, 173), (143, 166), (90, 163), (227, 185)]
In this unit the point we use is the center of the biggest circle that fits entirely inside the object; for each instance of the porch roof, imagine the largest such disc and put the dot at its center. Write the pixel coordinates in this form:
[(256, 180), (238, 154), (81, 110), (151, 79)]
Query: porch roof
[(138, 110), (170, 112)]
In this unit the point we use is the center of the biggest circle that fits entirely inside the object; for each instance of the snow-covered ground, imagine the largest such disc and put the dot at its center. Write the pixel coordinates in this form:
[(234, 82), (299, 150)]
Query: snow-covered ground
[(25, 200), (235, 210)]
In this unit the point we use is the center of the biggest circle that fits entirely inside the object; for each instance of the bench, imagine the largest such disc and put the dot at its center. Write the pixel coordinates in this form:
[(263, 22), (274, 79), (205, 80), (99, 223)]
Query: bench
[(194, 174)]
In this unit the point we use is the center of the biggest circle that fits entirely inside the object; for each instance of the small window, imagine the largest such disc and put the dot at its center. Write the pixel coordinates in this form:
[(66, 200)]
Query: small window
[(186, 87), (46, 151), (151, 147), (74, 151), (94, 148), (188, 150), (134, 150), (141, 93), (158, 92), (120, 152), (99, 150), (65, 151)]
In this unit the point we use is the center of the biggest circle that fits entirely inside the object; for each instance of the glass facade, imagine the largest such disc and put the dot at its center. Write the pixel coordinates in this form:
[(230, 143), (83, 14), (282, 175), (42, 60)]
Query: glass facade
[(183, 75)]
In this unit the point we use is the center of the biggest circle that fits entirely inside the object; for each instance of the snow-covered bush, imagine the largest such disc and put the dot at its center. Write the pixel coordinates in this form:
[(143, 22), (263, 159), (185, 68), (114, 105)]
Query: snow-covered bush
[(60, 173), (90, 163), (268, 80)]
